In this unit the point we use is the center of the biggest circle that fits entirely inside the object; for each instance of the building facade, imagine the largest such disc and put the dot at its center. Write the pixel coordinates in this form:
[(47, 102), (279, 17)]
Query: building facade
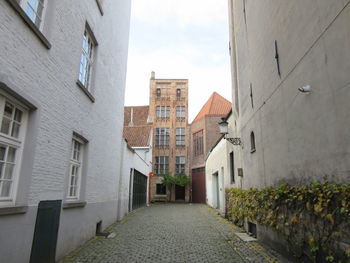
[(168, 110), (62, 81), (204, 134), (137, 159), (290, 78)]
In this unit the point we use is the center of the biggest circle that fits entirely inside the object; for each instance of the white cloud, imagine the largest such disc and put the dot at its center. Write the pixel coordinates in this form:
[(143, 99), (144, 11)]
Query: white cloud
[(185, 12), (169, 62)]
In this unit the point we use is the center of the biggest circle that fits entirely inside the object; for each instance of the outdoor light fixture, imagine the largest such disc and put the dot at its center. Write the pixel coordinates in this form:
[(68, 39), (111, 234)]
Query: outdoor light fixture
[(223, 126), (305, 89)]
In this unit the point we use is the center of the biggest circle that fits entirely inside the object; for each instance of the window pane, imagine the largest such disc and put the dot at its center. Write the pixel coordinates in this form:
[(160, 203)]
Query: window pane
[(1, 166), (2, 152), (8, 171), (18, 115), (5, 190), (15, 130), (5, 125), (11, 155)]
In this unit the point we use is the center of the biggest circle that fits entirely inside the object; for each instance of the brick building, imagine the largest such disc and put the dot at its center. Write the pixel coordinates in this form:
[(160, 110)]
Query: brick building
[(168, 111), (204, 134), (62, 82)]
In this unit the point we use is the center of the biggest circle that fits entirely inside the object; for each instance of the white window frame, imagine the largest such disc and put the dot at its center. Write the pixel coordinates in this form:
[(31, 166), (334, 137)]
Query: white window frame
[(23, 4), (163, 111), (75, 163), (89, 57), (180, 164), (14, 142), (162, 166), (180, 136), (162, 137), (180, 112)]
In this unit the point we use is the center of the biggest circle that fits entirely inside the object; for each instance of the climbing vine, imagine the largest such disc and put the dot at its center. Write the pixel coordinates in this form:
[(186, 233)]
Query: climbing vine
[(314, 219)]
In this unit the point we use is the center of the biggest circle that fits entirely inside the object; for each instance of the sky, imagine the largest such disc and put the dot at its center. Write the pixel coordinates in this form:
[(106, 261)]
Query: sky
[(184, 39)]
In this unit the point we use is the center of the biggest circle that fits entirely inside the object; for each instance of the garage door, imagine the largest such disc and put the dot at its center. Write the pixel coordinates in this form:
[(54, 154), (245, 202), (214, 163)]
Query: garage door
[(139, 196)]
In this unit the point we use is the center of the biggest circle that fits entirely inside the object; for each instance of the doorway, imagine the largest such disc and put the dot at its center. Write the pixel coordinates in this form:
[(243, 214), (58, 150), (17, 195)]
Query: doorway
[(216, 192), (179, 193)]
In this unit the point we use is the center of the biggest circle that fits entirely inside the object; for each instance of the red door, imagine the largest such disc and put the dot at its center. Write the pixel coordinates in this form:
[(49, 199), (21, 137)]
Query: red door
[(198, 185)]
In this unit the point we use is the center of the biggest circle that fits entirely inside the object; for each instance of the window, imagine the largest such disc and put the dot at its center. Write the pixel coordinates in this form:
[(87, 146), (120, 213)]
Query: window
[(162, 136), (161, 165), (34, 10), (163, 111), (198, 143), (180, 164), (180, 112), (160, 189), (178, 93), (75, 168), (158, 92), (86, 59), (180, 136), (252, 142), (12, 133), (232, 167)]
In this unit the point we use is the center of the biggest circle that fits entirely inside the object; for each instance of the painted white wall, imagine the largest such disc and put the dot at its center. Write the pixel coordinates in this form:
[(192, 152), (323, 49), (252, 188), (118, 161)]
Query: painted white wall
[(140, 160), (49, 77)]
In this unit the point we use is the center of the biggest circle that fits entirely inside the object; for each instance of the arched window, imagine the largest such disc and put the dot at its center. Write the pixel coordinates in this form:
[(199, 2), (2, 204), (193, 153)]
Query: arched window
[(252, 142)]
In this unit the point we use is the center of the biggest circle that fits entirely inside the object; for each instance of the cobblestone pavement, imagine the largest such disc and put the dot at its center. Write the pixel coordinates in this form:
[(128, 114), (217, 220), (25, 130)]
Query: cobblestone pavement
[(171, 233)]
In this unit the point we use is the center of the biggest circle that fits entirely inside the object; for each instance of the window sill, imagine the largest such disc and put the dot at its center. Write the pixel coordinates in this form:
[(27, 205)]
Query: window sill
[(13, 210), (87, 93), (30, 23), (70, 205)]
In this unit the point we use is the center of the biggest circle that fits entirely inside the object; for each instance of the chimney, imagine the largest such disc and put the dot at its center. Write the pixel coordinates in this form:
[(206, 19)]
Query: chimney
[(131, 117), (153, 75)]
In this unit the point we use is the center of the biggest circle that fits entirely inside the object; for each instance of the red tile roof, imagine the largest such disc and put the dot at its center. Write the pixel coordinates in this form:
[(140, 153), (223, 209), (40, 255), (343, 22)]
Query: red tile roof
[(138, 136), (215, 106), (139, 116)]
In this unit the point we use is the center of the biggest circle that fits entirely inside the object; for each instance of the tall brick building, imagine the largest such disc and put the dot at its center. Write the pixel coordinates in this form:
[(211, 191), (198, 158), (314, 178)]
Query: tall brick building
[(204, 134), (168, 110)]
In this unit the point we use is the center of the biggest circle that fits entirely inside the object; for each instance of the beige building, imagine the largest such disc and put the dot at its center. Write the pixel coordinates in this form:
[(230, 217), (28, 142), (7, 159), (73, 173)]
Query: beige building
[(290, 68), (168, 110)]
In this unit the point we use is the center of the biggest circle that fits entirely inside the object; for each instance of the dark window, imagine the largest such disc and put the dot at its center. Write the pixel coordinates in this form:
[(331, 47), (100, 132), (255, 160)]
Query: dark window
[(232, 167), (161, 165), (162, 136), (198, 143), (178, 93), (160, 189), (158, 92), (252, 142), (180, 164)]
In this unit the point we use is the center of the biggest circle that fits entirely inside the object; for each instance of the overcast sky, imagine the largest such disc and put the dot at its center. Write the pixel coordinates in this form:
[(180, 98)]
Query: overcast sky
[(185, 39)]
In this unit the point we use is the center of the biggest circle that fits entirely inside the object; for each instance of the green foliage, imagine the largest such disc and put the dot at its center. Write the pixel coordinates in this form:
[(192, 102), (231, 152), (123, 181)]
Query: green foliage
[(181, 180), (313, 218)]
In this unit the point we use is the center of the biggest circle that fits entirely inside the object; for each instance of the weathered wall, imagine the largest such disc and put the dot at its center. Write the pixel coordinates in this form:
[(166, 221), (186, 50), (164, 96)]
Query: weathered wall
[(49, 78), (300, 137)]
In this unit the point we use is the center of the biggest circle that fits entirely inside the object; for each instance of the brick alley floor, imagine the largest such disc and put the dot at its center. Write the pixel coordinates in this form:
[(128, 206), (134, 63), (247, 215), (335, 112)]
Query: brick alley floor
[(172, 233)]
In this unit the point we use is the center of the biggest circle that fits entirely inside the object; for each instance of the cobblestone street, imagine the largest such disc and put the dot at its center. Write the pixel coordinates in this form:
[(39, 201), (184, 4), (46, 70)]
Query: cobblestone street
[(172, 233)]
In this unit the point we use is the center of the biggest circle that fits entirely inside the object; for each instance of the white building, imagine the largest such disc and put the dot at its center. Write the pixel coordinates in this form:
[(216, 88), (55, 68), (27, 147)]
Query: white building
[(220, 171), (62, 81)]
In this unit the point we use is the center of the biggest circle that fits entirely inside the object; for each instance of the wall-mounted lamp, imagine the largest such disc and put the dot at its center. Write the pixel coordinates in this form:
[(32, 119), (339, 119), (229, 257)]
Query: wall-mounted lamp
[(223, 126), (305, 89)]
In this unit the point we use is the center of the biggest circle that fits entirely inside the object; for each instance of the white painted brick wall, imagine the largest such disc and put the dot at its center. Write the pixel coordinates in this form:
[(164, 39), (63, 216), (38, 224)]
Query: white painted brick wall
[(50, 77)]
